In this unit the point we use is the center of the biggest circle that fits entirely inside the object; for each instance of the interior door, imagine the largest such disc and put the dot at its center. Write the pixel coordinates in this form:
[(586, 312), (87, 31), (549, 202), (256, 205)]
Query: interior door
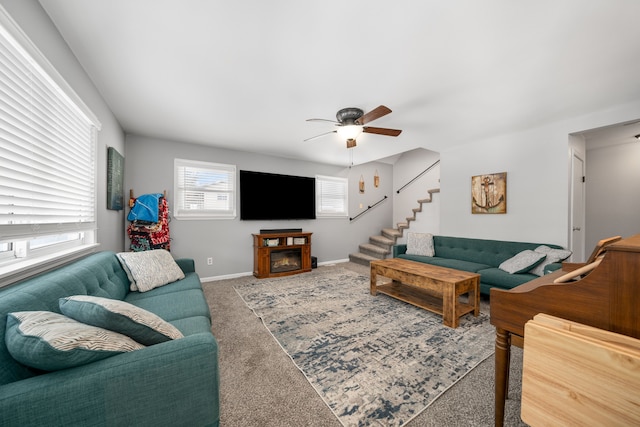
[(577, 208)]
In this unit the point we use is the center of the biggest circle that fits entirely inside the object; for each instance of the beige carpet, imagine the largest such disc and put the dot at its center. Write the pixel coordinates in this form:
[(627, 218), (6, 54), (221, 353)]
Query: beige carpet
[(260, 386)]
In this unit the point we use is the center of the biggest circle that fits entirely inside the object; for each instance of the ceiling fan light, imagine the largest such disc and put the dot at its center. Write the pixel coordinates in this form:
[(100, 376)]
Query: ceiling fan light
[(349, 131)]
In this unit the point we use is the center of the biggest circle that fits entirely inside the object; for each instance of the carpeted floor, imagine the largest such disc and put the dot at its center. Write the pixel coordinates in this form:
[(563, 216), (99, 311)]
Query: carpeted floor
[(260, 386)]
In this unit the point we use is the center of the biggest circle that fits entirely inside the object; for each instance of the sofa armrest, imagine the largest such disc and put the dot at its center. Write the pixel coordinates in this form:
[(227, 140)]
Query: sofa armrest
[(550, 268), (187, 265), (173, 383), (399, 250)]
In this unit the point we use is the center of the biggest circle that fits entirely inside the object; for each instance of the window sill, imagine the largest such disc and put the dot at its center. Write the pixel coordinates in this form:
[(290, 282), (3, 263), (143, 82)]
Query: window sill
[(23, 270)]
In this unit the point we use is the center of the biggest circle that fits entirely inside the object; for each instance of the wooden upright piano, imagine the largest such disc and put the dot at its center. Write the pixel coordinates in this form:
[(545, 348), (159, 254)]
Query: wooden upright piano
[(607, 297)]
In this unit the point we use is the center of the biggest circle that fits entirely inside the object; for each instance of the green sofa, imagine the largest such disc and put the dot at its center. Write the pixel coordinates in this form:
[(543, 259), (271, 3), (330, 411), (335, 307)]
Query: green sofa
[(168, 384), (479, 256)]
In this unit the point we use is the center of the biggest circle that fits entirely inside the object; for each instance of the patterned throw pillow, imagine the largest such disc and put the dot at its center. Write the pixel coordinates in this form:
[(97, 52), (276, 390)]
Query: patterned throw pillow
[(420, 244), (150, 269), (119, 316), (52, 341), (553, 255), (522, 262)]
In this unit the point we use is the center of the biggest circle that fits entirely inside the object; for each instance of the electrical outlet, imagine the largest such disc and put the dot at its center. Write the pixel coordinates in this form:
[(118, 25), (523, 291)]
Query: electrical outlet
[(209, 261)]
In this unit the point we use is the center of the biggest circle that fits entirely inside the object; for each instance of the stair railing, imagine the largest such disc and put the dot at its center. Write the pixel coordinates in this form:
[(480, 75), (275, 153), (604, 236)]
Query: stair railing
[(369, 208), (418, 176)]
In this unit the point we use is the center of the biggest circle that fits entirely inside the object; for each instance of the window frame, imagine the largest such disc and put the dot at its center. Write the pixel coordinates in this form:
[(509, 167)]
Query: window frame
[(231, 192), (344, 183), (21, 261)]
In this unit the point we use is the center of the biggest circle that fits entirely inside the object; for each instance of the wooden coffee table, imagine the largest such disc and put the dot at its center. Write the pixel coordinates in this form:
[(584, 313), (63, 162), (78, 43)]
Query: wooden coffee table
[(433, 288)]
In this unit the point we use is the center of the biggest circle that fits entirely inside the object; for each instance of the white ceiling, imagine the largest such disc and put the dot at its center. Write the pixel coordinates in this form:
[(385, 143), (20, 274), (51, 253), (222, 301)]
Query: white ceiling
[(245, 74)]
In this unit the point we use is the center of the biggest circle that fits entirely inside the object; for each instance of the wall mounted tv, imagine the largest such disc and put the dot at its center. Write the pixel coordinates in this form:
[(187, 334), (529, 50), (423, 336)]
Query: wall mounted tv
[(274, 196)]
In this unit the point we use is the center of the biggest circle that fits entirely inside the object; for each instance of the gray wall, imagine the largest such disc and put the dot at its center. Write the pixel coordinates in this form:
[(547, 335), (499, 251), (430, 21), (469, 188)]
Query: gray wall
[(39, 28), (149, 169), (612, 190)]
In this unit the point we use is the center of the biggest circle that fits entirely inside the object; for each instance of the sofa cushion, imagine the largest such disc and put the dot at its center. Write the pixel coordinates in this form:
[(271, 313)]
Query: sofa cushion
[(150, 269), (521, 262), (446, 262), (420, 244), (499, 278), (173, 306), (190, 281), (119, 316), (51, 341), (193, 325), (552, 256)]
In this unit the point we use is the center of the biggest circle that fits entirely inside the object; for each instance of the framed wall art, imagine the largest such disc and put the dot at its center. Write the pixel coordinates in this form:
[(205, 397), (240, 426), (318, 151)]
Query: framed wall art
[(489, 193), (115, 172)]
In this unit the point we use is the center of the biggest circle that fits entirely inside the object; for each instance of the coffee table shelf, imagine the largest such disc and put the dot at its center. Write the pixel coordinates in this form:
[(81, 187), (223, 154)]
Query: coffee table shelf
[(419, 298)]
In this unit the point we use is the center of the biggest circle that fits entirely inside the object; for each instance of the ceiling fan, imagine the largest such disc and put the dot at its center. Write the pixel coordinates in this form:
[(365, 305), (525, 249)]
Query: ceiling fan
[(351, 123)]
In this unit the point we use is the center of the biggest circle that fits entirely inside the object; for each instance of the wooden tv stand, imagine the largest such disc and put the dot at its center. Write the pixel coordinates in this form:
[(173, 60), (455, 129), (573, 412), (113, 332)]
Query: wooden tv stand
[(281, 254)]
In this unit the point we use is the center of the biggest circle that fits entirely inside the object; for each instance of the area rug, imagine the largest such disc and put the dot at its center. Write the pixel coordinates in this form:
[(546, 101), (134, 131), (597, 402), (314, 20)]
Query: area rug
[(375, 361)]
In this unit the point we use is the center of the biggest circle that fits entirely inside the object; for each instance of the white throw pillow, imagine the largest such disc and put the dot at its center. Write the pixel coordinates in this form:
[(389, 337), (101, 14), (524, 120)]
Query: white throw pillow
[(522, 262), (150, 269), (553, 255), (420, 244)]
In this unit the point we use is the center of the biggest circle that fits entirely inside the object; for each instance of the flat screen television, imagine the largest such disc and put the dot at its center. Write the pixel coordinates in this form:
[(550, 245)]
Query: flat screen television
[(274, 196)]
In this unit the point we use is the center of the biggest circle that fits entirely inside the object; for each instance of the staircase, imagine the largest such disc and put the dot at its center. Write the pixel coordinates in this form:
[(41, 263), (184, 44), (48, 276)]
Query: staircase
[(379, 246)]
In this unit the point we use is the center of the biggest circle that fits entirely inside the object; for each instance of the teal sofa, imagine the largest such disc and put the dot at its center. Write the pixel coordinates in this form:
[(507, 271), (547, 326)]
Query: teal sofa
[(174, 383), (479, 256)]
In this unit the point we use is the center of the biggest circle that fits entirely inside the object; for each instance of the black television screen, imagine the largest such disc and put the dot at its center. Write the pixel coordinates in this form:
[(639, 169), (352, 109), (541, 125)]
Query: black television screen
[(274, 196)]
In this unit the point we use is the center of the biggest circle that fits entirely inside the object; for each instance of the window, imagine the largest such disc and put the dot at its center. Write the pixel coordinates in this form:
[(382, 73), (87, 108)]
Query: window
[(331, 196), (47, 161), (204, 190)]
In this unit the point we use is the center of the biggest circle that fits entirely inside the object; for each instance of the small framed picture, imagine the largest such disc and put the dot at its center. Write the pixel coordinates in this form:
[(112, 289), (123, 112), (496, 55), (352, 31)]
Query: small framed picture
[(489, 193)]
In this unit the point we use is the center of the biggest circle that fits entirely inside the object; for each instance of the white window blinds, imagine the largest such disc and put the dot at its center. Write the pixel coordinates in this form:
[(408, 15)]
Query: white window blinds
[(331, 196), (204, 190), (47, 145)]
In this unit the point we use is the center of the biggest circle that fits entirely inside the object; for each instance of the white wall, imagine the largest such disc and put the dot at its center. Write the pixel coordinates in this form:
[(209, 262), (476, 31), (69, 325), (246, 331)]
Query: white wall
[(613, 190), (36, 24), (538, 174), (149, 169)]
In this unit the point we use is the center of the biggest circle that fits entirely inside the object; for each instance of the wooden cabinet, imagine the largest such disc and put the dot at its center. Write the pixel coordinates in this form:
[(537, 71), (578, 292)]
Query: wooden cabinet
[(281, 254)]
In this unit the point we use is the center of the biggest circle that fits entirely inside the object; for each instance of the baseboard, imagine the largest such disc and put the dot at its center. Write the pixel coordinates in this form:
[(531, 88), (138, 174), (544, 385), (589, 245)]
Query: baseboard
[(236, 275)]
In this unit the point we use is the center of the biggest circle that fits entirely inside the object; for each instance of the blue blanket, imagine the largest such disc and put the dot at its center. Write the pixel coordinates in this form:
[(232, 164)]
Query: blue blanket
[(145, 208)]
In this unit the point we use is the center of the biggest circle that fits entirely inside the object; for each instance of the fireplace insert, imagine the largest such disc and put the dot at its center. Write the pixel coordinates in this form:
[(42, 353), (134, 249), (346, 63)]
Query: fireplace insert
[(285, 260)]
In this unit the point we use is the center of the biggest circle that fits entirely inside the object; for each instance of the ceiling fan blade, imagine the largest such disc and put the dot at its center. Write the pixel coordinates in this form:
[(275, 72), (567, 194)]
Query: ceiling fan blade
[(322, 120), (322, 134), (376, 113), (382, 131)]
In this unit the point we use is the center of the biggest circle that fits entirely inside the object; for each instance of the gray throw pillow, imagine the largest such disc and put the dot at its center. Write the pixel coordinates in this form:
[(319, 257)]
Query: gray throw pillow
[(522, 262), (150, 269), (553, 255), (420, 244)]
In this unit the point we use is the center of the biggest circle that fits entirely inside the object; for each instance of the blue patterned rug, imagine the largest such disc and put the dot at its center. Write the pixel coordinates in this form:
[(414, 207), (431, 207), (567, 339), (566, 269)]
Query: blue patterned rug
[(375, 361)]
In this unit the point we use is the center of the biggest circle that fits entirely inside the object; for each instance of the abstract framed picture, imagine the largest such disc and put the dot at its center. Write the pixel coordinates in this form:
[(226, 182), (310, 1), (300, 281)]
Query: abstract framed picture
[(489, 193), (115, 172)]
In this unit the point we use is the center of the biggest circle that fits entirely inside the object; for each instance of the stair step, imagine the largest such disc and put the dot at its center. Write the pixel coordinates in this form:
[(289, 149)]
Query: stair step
[(373, 250), (391, 233), (362, 259), (382, 241)]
